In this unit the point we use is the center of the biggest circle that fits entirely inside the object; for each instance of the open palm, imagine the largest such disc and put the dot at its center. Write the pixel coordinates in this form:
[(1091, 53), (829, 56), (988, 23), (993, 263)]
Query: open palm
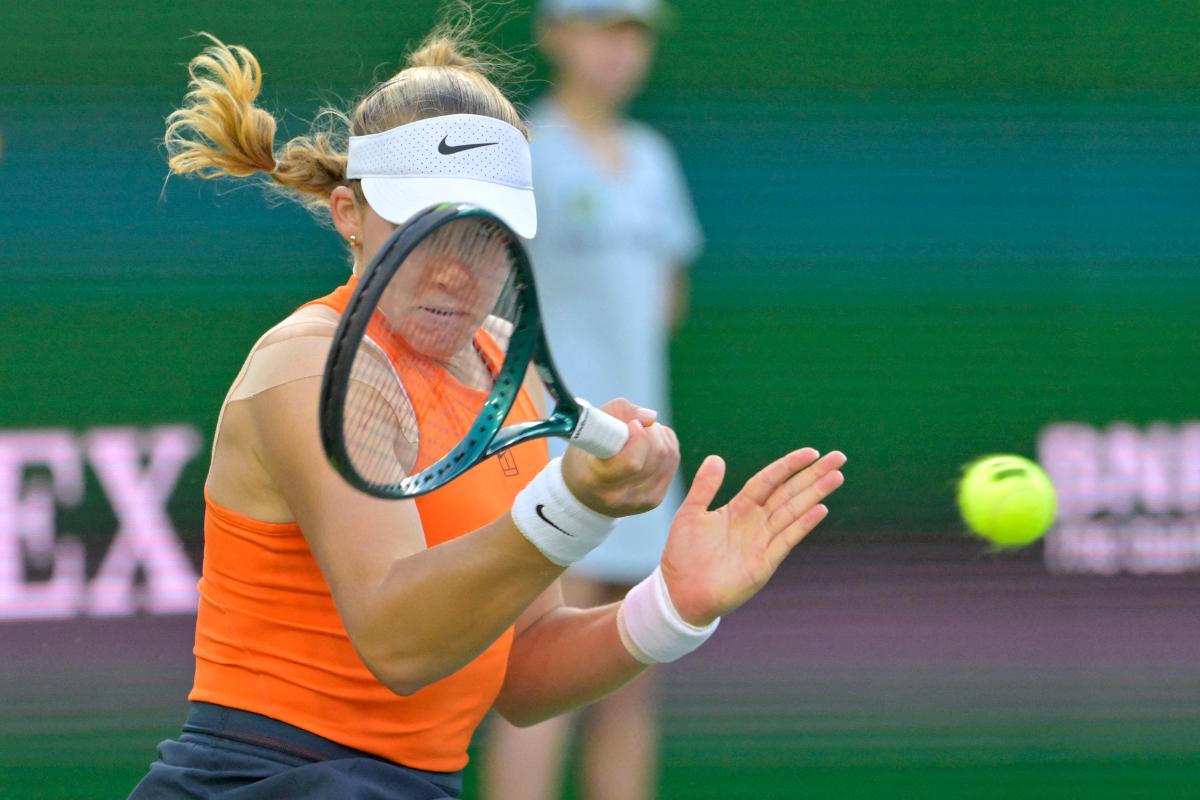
[(715, 561)]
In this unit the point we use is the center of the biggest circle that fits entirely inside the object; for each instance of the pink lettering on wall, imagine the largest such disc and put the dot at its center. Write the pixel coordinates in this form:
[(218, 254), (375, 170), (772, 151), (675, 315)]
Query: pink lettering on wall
[(28, 533), (1129, 498), (42, 572)]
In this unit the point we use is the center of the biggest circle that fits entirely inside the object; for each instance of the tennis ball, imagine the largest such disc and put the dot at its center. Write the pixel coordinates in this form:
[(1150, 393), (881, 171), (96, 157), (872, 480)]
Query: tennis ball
[(1006, 499)]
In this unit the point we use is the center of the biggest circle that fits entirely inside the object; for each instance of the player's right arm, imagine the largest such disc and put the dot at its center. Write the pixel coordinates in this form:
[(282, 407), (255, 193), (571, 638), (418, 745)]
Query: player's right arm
[(416, 614)]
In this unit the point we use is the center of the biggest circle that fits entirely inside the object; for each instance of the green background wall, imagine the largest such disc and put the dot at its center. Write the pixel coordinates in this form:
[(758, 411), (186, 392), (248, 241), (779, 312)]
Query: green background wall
[(933, 227)]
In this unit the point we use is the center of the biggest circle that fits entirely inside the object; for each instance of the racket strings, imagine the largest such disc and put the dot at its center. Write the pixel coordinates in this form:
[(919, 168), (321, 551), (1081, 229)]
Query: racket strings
[(379, 412), (422, 375)]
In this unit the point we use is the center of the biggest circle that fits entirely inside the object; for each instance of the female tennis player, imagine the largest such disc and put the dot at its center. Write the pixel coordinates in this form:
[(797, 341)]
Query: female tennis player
[(348, 646)]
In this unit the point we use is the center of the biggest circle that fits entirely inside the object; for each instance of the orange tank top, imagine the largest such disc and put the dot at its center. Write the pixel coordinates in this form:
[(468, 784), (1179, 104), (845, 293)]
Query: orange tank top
[(269, 639)]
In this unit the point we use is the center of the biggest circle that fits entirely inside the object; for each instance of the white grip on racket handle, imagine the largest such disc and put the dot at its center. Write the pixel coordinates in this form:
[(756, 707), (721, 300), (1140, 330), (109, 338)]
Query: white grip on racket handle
[(598, 433)]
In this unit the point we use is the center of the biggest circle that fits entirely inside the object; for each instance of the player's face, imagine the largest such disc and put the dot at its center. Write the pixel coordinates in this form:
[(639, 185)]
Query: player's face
[(445, 289), (610, 61)]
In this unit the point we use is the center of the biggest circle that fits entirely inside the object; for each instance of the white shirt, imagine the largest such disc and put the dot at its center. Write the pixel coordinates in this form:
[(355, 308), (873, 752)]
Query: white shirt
[(604, 258)]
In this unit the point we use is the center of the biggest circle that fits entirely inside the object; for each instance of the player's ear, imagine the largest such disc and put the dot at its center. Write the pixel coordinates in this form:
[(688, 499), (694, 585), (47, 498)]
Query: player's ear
[(347, 217)]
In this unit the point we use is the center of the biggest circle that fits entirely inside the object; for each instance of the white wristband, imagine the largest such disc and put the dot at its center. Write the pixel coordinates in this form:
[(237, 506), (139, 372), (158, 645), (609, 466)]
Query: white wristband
[(554, 520), (650, 626)]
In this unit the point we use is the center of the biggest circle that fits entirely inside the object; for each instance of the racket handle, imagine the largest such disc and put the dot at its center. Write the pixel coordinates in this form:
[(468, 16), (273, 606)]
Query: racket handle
[(598, 433)]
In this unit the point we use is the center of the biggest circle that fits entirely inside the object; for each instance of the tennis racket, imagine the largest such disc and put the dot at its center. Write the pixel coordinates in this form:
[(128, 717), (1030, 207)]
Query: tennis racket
[(430, 354)]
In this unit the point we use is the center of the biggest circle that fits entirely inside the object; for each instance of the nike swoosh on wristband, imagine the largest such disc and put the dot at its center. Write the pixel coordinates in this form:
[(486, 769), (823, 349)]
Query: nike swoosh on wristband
[(451, 149), (538, 508)]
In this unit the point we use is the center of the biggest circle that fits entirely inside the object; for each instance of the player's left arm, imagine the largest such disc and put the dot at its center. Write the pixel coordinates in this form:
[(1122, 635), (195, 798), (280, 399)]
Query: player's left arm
[(563, 658), (714, 561)]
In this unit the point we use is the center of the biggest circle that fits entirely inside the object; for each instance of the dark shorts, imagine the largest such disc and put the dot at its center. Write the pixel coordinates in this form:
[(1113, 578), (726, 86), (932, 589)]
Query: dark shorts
[(236, 755)]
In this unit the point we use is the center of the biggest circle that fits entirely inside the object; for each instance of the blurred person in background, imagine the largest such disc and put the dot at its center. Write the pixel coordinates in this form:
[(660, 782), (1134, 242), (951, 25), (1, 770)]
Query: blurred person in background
[(616, 234)]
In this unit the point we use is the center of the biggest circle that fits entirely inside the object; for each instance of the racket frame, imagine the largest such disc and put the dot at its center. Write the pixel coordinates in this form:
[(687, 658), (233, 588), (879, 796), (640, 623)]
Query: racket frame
[(486, 436)]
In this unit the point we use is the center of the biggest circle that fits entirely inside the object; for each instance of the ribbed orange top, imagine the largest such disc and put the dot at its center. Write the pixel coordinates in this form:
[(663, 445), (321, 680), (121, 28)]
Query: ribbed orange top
[(269, 639)]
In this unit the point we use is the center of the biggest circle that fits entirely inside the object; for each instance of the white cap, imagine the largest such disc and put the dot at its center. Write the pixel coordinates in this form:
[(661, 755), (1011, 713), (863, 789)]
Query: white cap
[(650, 13), (457, 158)]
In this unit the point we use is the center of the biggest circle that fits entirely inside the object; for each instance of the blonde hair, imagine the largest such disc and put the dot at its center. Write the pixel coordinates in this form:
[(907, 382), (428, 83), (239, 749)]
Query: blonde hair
[(220, 132)]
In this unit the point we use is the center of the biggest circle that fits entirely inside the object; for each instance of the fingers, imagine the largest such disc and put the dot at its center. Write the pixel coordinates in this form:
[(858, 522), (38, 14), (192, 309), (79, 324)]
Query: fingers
[(666, 462), (791, 536), (635, 479), (630, 460), (800, 481), (620, 408), (654, 446), (626, 411), (801, 502), (760, 488), (646, 416), (705, 485), (637, 447)]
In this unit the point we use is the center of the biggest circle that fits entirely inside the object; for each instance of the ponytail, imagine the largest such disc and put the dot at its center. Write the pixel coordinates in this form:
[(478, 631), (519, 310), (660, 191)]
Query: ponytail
[(219, 132)]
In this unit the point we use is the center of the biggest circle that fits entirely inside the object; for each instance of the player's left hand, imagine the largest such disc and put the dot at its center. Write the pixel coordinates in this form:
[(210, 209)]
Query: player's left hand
[(714, 561)]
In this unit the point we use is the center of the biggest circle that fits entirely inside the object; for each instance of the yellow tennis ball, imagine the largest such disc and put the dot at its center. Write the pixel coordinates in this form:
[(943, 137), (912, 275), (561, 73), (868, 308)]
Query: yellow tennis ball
[(1007, 499)]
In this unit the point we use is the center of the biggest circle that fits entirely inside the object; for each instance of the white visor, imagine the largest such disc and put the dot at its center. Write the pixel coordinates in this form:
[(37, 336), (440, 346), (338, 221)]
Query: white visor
[(458, 158)]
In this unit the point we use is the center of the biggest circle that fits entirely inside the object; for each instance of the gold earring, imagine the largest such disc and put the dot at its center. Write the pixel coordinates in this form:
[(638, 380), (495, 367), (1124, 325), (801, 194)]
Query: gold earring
[(353, 240)]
